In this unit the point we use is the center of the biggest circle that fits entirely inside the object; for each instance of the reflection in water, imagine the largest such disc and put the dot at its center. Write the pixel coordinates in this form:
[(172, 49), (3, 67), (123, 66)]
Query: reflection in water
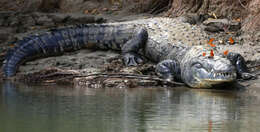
[(63, 109)]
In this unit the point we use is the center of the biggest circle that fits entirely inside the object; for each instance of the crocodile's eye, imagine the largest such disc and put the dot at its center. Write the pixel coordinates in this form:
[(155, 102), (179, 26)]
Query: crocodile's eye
[(198, 65)]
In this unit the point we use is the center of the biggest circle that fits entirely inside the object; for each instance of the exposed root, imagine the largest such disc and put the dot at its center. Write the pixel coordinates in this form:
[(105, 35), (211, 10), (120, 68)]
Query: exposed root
[(122, 80), (242, 5), (159, 6), (54, 75)]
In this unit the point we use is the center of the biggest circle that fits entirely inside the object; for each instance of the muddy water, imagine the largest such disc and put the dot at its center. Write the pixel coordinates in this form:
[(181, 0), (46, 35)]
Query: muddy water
[(26, 108)]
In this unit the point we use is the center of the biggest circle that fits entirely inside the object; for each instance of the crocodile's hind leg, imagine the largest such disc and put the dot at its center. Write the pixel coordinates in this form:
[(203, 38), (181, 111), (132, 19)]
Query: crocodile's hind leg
[(131, 47), (169, 70), (239, 62)]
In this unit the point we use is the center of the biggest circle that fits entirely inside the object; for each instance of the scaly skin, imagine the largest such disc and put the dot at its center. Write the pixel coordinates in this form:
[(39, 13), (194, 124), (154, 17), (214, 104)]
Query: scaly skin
[(176, 45)]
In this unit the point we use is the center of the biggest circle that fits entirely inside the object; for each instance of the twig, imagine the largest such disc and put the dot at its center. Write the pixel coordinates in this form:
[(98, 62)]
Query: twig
[(255, 66), (242, 5), (130, 76)]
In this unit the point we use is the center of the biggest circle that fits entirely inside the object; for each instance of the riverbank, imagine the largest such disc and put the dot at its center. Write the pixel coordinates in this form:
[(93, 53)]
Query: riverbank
[(15, 25)]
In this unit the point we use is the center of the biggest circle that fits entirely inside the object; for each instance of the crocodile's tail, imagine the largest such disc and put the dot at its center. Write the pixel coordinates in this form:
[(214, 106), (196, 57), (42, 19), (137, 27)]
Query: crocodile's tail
[(59, 41)]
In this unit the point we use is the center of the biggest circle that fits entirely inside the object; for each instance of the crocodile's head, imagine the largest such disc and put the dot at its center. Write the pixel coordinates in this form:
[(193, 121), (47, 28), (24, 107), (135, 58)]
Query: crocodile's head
[(200, 71)]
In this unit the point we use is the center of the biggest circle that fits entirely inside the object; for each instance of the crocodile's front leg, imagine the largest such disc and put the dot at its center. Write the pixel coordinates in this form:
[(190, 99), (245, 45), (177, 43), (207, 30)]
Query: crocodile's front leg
[(130, 48), (169, 70), (239, 62)]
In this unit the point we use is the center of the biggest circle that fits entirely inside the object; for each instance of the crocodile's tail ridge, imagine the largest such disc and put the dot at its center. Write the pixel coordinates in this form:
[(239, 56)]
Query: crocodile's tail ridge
[(55, 42)]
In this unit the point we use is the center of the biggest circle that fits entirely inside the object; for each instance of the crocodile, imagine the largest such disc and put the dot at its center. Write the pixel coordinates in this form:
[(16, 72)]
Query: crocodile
[(179, 48)]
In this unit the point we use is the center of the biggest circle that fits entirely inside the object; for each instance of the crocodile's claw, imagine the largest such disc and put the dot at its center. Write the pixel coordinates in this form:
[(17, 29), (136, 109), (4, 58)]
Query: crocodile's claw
[(132, 59), (167, 77)]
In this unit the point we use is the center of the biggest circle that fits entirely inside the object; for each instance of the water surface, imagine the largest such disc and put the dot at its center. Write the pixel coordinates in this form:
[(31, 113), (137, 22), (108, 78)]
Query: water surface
[(26, 108)]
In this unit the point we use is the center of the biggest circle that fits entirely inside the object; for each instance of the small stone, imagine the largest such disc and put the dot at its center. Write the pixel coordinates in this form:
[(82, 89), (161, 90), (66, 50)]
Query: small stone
[(44, 20), (258, 50)]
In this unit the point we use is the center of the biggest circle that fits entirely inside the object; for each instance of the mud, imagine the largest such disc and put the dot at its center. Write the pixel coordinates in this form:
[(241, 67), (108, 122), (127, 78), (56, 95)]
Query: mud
[(16, 24)]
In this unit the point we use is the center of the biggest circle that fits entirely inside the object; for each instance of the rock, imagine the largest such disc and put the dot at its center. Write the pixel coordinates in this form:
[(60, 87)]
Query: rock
[(258, 50), (82, 18), (44, 21), (20, 5), (49, 6), (193, 18), (5, 33), (216, 25), (68, 18), (58, 17), (31, 5), (12, 21), (27, 21), (77, 5), (4, 15)]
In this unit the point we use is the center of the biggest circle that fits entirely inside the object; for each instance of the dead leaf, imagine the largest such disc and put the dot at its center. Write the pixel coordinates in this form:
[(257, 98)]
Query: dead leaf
[(105, 9), (94, 11), (214, 15), (86, 12)]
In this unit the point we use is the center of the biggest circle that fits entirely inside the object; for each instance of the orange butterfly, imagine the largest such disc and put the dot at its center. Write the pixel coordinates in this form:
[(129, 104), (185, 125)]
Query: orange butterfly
[(226, 52), (211, 53), (231, 41), (212, 45), (210, 42)]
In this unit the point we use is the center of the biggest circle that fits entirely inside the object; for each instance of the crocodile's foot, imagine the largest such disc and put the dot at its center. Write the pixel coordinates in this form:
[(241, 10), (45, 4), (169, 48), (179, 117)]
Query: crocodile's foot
[(168, 69), (132, 59)]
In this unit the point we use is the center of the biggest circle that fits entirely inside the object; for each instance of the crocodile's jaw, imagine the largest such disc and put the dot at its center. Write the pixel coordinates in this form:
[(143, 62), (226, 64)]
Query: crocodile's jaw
[(199, 77), (199, 71), (211, 83)]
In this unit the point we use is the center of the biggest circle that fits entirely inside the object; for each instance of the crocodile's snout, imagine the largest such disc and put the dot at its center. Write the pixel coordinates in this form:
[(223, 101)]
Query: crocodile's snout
[(205, 72)]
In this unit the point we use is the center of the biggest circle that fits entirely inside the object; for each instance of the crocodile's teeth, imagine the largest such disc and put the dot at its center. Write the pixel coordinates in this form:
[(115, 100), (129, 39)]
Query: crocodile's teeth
[(229, 75)]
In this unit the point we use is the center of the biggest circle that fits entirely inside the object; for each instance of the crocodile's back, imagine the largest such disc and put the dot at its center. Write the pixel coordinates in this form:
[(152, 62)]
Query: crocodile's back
[(169, 35), (176, 32)]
